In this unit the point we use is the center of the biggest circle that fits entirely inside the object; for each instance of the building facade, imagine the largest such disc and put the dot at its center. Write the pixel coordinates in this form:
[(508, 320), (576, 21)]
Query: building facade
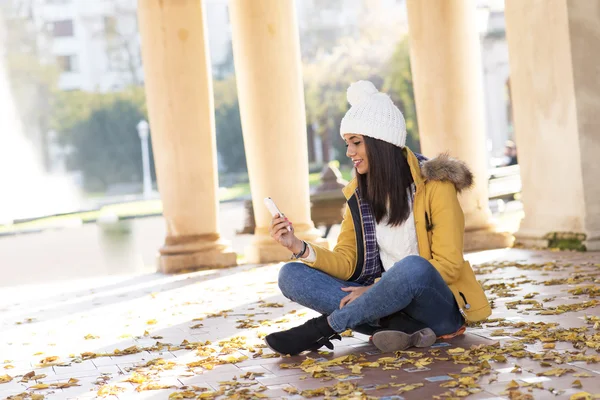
[(96, 44)]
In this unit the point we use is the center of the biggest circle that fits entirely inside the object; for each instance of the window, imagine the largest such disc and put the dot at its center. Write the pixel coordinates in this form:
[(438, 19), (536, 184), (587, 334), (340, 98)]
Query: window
[(67, 63), (62, 28)]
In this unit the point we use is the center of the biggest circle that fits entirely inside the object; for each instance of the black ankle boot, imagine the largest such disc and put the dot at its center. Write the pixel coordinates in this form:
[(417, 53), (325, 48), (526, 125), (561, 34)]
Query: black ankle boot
[(309, 336)]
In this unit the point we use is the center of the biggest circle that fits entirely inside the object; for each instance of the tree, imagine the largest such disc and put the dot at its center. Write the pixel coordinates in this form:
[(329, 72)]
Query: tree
[(122, 44), (100, 131), (326, 81), (399, 84)]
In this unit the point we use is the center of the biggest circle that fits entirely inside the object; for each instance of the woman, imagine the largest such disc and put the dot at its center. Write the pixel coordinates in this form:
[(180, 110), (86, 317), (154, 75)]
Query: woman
[(397, 271)]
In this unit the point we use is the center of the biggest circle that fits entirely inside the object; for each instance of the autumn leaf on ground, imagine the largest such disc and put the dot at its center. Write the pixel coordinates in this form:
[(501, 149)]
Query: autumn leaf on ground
[(127, 351), (271, 305), (49, 360), (591, 290), (499, 358), (582, 396), (63, 385), (223, 313), (152, 386), (555, 372), (109, 390), (563, 308), (450, 384), (457, 350), (88, 355), (251, 375), (512, 385), (182, 395), (151, 322), (39, 386), (290, 390), (271, 355), (26, 321), (246, 324), (136, 378), (89, 336), (408, 388), (5, 378), (470, 370)]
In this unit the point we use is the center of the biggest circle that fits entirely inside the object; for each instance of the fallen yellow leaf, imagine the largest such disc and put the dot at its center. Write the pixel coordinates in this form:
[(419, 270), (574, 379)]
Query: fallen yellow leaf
[(89, 336), (581, 396), (555, 372), (40, 386), (183, 395), (49, 360), (408, 388), (109, 390), (512, 385)]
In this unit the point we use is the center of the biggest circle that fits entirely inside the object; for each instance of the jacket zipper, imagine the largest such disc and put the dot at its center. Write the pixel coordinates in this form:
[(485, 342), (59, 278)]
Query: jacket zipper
[(467, 305)]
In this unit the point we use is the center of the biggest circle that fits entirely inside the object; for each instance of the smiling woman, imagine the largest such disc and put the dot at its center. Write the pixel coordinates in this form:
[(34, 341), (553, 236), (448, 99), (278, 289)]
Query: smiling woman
[(397, 271), (357, 152)]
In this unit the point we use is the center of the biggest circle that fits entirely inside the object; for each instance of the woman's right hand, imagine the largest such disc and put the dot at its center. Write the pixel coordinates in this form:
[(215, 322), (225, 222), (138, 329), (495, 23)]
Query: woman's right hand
[(280, 233)]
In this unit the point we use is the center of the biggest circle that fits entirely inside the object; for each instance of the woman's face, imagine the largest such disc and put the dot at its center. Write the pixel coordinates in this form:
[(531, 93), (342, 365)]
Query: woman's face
[(357, 152)]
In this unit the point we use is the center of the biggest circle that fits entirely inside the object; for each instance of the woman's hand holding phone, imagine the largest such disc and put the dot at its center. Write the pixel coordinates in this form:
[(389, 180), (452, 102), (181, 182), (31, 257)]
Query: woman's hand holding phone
[(282, 230), (283, 235)]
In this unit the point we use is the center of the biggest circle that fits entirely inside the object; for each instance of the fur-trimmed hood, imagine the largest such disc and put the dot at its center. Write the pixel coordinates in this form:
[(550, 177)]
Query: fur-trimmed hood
[(446, 168)]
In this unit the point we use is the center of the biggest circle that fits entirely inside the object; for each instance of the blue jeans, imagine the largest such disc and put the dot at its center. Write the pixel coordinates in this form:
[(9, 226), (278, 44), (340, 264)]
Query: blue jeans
[(412, 290)]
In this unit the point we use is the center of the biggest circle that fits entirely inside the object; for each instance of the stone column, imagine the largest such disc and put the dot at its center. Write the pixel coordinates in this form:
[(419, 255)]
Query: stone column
[(446, 68), (179, 96), (556, 97), (266, 49)]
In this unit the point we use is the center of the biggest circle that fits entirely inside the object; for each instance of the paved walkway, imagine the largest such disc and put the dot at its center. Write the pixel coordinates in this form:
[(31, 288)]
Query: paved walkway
[(198, 335)]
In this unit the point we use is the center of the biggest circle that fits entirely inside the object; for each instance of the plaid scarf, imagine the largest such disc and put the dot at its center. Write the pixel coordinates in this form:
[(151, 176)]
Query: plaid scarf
[(372, 268)]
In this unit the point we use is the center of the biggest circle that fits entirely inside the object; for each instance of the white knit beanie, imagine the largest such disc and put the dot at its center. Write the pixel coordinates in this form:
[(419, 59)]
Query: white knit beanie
[(373, 114)]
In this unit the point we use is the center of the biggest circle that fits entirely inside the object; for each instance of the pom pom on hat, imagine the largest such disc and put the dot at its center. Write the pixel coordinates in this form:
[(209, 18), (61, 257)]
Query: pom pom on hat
[(360, 91), (373, 114)]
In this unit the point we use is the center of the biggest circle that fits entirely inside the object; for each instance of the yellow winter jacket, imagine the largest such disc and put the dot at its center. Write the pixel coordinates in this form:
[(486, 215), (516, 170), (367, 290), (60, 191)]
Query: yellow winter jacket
[(439, 223)]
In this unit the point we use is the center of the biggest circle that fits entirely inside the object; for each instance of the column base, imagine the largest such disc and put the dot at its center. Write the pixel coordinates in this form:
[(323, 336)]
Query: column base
[(560, 240), (265, 250), (193, 253), (487, 239)]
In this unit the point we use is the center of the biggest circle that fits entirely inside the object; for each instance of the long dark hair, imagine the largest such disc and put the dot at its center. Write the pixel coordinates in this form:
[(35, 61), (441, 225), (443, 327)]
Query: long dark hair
[(387, 181)]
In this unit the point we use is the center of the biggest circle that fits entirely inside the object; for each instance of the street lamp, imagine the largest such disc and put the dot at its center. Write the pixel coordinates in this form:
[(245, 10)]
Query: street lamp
[(143, 130)]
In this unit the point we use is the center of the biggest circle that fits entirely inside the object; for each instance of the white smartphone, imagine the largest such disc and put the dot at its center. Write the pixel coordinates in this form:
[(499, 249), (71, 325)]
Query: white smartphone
[(274, 210)]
